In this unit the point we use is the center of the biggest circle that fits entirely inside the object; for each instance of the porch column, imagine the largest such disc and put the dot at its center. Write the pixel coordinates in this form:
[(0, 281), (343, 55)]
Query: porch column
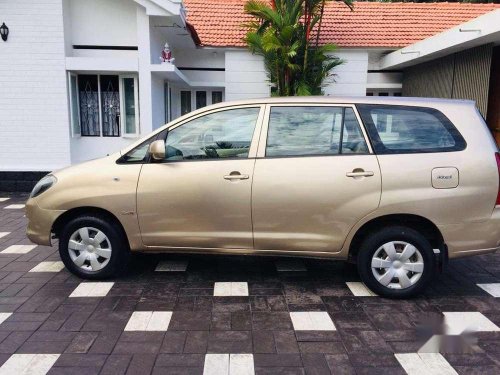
[(144, 54)]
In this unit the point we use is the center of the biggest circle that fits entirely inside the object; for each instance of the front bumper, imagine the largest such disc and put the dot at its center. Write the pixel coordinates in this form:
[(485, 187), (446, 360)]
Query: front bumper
[(40, 222)]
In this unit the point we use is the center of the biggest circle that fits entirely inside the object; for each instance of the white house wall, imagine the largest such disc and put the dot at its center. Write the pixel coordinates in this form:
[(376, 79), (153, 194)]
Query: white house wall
[(245, 76), (158, 101), (34, 130), (351, 77), (202, 58), (103, 22), (87, 148)]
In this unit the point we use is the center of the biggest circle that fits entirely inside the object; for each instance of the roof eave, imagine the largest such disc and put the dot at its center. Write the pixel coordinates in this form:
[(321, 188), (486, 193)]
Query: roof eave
[(481, 30)]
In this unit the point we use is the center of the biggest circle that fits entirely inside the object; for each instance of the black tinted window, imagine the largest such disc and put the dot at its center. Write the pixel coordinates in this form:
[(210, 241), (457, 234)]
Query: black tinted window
[(403, 129), (295, 131)]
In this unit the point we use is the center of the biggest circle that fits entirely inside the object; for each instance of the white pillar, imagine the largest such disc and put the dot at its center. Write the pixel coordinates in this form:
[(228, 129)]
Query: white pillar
[(144, 54)]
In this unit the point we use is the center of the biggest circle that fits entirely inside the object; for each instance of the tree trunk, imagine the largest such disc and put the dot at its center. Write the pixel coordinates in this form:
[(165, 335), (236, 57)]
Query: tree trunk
[(320, 22)]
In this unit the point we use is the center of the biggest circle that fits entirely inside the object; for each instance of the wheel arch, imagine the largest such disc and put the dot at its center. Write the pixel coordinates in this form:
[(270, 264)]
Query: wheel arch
[(69, 215), (419, 223)]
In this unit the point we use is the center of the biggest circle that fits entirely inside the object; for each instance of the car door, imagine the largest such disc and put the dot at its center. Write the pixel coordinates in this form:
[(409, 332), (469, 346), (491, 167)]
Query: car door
[(199, 195), (315, 176)]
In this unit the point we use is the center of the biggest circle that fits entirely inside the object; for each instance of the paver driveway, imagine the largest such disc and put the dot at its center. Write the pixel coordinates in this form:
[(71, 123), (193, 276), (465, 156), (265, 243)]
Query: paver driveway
[(239, 315)]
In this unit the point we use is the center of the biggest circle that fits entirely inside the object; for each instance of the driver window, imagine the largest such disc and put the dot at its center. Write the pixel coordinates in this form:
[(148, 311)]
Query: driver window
[(224, 134)]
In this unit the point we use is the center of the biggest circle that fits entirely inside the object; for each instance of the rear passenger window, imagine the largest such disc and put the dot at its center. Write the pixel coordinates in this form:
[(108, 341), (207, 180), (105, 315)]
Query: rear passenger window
[(402, 129), (301, 131)]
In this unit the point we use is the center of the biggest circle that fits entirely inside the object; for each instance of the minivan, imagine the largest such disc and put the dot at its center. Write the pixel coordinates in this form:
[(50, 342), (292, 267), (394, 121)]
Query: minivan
[(396, 185)]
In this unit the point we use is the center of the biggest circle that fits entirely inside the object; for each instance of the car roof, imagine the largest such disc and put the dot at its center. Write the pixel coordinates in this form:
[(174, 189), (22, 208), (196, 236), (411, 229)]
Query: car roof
[(391, 100)]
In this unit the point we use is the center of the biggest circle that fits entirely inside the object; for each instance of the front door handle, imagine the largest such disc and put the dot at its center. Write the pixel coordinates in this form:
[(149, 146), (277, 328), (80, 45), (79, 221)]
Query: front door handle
[(236, 176), (359, 173)]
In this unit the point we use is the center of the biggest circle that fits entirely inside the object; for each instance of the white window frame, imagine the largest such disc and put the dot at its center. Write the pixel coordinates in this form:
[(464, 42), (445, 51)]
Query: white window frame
[(73, 126), (209, 96), (124, 134)]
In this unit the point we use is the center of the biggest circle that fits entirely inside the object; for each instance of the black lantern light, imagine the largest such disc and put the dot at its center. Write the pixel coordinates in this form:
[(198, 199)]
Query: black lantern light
[(4, 32)]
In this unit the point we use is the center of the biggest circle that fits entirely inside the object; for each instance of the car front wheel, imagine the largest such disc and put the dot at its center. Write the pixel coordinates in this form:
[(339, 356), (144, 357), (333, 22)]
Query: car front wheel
[(396, 262), (91, 247)]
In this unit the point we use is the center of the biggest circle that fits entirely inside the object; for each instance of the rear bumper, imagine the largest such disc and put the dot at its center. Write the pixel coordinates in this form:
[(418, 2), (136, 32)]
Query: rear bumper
[(472, 238), (40, 222)]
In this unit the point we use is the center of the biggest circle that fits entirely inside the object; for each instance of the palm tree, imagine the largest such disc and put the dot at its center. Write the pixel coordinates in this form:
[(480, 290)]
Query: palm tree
[(281, 33)]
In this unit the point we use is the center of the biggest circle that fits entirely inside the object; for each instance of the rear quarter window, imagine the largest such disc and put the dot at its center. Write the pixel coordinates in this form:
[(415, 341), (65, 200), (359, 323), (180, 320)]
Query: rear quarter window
[(397, 129)]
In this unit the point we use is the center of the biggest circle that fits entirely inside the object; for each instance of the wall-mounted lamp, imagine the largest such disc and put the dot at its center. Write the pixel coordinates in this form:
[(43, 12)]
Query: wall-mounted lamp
[(4, 32)]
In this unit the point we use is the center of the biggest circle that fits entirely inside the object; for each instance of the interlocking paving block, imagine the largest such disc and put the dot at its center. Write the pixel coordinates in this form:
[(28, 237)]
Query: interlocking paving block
[(48, 267), (492, 289), (241, 364), (18, 249), (14, 206), (458, 322), (3, 234), (32, 364), (229, 364), (4, 316), (425, 363), (92, 289), (149, 321), (312, 321), (226, 289), (290, 265), (216, 364), (4, 199), (172, 266), (359, 289)]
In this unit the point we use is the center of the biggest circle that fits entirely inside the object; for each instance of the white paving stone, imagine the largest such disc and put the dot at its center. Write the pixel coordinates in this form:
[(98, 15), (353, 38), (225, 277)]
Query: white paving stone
[(92, 289), (492, 289), (226, 289), (4, 199), (55, 266), (458, 322), (229, 364), (4, 316), (290, 265), (359, 289), (14, 206), (312, 321), (241, 364), (172, 266), (149, 321), (216, 364), (28, 364), (18, 249), (425, 363), (3, 234)]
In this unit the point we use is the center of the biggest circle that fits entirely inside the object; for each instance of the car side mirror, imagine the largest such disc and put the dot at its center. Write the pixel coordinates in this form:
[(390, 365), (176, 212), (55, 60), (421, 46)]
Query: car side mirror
[(157, 150)]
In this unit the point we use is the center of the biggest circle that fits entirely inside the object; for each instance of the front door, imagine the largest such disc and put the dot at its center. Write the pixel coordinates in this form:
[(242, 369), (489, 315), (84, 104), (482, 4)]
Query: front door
[(199, 196), (314, 178)]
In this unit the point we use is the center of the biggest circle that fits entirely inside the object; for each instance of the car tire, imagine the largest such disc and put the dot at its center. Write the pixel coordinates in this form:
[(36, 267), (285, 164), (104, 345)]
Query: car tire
[(93, 247), (386, 267)]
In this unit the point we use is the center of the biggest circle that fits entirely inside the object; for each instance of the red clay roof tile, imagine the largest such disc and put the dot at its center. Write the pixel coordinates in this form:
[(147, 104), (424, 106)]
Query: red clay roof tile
[(219, 23)]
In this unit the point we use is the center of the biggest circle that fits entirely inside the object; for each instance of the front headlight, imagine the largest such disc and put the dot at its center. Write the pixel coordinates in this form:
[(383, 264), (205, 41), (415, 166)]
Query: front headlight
[(42, 185)]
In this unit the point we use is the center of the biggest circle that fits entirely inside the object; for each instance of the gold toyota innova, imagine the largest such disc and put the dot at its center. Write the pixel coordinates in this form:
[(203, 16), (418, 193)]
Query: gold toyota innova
[(397, 185)]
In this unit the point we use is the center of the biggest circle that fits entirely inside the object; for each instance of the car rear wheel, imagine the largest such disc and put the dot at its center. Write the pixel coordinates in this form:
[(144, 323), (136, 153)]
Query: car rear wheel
[(396, 262), (93, 248)]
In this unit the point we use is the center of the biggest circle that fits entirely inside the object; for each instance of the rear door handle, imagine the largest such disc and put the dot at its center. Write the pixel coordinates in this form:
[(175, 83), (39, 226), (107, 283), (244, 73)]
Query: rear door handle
[(236, 176), (360, 174)]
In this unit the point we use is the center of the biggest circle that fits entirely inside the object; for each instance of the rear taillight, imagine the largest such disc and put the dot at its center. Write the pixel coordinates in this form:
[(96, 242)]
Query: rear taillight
[(497, 155)]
